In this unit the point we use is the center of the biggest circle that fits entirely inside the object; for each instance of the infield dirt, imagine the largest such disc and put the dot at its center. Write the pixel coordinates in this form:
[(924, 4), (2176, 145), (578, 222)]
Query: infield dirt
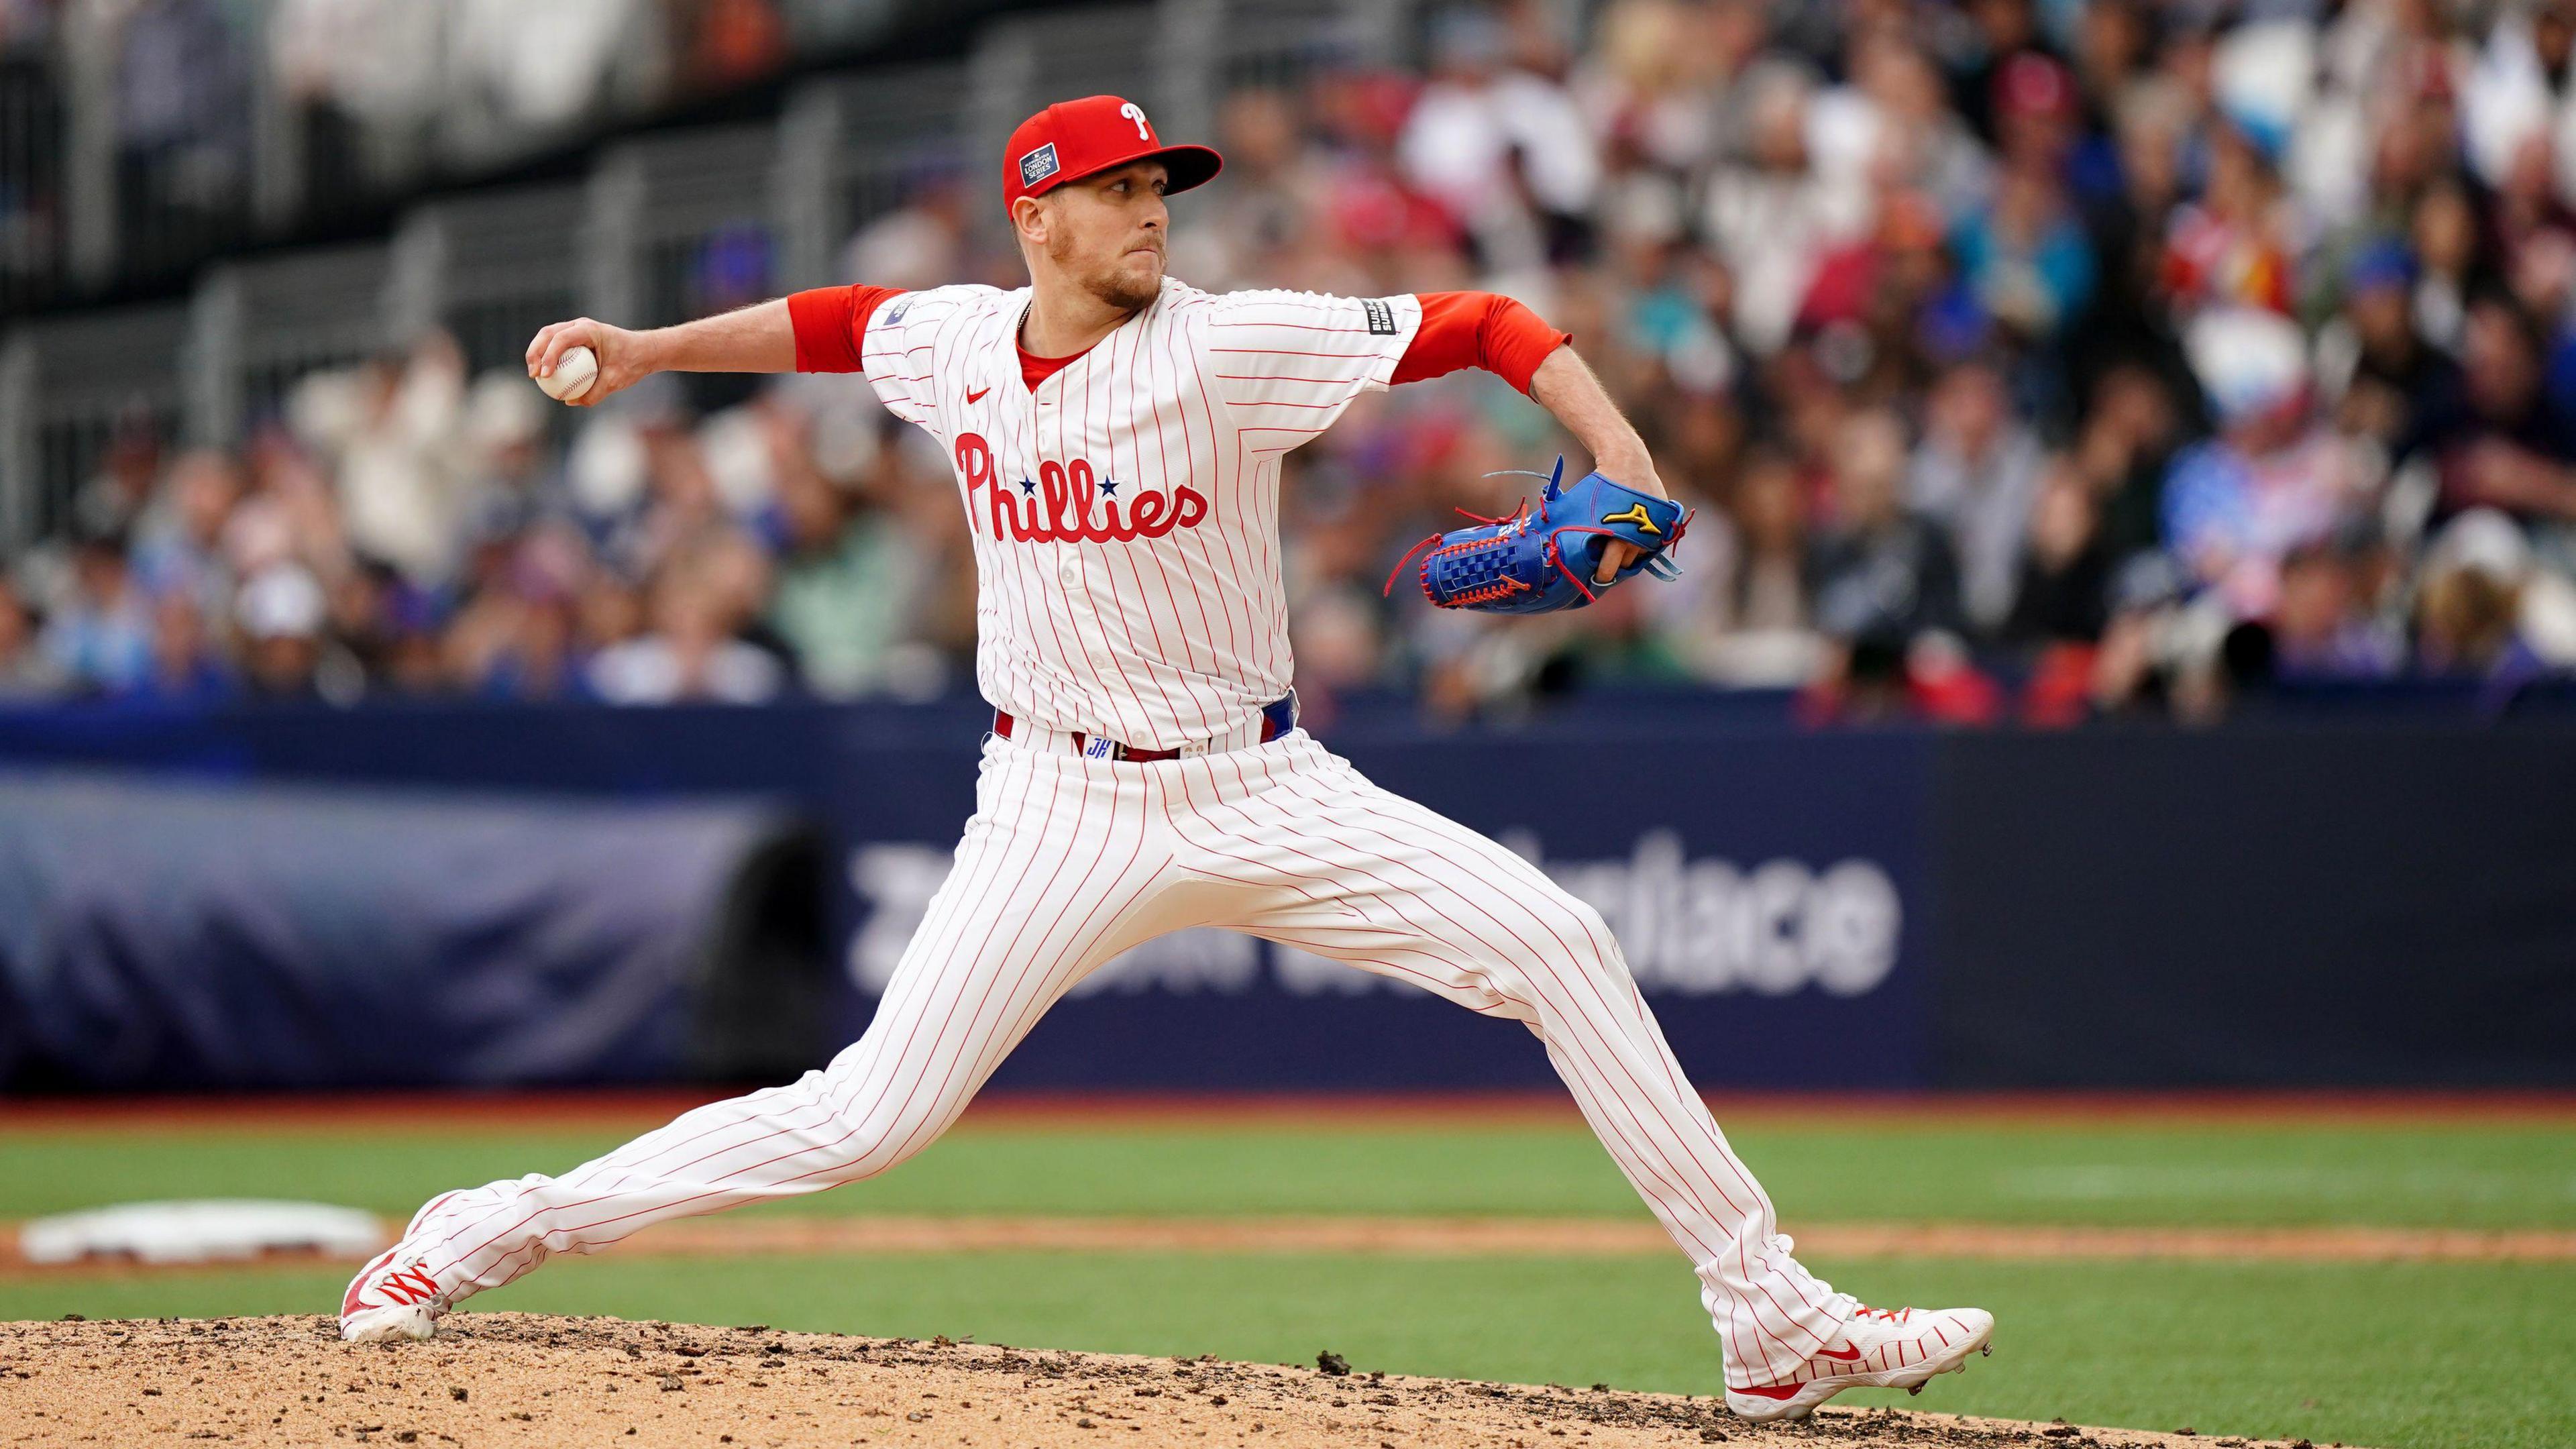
[(510, 1378)]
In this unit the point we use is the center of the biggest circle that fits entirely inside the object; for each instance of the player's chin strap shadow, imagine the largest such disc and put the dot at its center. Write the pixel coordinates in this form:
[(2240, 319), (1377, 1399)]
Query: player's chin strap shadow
[(1658, 564)]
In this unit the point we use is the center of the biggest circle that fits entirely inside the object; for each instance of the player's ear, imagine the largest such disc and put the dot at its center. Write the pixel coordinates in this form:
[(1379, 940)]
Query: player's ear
[(1029, 217)]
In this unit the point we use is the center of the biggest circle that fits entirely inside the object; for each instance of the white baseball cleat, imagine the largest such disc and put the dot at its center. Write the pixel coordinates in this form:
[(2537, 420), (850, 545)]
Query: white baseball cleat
[(391, 1298), (1880, 1348)]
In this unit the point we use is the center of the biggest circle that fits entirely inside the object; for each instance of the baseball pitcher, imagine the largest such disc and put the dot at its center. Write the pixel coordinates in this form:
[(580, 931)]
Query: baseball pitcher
[(1116, 436)]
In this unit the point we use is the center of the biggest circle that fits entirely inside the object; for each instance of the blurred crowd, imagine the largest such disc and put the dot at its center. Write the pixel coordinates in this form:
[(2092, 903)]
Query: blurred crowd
[(368, 95), (2024, 359)]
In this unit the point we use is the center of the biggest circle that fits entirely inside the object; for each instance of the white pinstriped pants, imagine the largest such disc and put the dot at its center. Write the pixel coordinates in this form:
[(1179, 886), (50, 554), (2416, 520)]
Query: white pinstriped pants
[(1068, 862)]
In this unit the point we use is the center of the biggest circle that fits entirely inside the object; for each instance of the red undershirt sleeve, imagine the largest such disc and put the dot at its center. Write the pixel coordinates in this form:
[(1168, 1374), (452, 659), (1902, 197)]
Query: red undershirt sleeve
[(1478, 329), (831, 325)]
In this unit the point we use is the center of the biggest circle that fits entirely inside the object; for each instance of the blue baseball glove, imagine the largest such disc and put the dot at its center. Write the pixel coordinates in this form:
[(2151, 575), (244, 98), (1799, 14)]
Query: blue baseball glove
[(1535, 563)]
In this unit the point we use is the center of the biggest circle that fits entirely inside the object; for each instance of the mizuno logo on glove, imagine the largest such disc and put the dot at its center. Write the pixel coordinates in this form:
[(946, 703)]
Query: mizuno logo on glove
[(1637, 515)]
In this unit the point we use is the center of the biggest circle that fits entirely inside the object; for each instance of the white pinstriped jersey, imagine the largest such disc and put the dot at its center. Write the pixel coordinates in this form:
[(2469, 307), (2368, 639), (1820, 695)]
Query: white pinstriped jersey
[(1126, 513)]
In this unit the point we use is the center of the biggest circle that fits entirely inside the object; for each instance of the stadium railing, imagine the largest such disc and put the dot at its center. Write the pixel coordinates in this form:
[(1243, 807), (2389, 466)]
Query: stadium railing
[(853, 148), (67, 385), (658, 208), (258, 327), (491, 268)]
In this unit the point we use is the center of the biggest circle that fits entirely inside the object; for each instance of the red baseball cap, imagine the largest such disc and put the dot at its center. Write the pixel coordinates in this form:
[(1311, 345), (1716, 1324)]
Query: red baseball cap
[(1073, 139)]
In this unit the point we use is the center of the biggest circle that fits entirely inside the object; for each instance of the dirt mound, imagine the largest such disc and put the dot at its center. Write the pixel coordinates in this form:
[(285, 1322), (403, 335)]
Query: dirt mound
[(511, 1378)]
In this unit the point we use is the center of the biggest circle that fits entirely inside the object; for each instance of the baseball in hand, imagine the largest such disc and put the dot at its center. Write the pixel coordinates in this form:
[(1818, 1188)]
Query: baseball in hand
[(574, 372)]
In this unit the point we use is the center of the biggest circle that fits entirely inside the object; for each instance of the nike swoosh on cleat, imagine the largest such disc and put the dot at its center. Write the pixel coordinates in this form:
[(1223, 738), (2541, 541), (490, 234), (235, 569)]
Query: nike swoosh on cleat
[(353, 1301), (1849, 1355), (978, 396)]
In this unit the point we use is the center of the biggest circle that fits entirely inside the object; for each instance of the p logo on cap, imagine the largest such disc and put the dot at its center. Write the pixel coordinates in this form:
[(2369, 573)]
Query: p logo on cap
[(1073, 139)]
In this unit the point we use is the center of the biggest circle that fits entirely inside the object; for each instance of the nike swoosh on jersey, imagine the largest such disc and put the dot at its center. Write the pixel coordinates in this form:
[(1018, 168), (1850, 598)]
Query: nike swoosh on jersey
[(977, 396)]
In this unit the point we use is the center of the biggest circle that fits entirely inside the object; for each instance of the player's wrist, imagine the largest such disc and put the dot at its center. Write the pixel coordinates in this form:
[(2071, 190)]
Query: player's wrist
[(648, 352), (1630, 467)]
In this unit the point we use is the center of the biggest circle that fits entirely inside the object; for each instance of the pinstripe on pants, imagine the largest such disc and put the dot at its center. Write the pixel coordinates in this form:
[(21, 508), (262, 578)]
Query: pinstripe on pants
[(1066, 863)]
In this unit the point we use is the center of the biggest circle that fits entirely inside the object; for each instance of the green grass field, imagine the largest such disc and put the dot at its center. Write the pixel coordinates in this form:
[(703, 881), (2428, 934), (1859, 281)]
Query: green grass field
[(2375, 1354)]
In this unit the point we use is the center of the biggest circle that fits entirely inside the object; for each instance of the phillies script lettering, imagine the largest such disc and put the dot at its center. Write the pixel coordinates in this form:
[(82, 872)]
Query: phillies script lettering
[(1067, 502)]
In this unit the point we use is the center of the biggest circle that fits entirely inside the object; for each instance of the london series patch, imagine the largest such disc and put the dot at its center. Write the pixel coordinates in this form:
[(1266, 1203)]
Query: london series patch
[(1038, 165)]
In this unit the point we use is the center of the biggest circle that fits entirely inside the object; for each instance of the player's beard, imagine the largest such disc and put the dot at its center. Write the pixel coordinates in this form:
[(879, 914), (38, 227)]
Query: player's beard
[(1112, 284)]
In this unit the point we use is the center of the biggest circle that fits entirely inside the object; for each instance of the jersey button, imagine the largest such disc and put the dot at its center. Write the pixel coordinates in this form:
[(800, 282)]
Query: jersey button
[(1070, 569)]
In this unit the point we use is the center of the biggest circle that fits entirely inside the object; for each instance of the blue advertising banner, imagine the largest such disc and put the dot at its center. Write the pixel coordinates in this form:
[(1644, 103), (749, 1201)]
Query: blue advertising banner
[(2276, 903), (2259, 907), (168, 934)]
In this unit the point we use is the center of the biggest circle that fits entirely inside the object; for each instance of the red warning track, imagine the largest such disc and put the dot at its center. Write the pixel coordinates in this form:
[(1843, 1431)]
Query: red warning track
[(637, 1110), (612, 1110), (1485, 1237)]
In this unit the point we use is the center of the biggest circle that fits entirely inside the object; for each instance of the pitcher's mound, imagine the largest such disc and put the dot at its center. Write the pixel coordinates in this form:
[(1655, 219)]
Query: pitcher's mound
[(516, 1378)]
